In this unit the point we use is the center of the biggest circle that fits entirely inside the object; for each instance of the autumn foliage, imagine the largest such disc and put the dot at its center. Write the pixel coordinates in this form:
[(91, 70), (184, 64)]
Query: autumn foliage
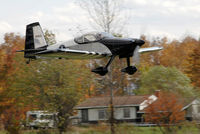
[(193, 66), (174, 54), (39, 84), (166, 110), (9, 111), (7, 54)]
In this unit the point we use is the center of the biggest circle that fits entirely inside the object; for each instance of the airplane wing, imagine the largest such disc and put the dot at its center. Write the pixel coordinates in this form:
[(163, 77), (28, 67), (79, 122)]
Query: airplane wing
[(71, 54), (149, 49)]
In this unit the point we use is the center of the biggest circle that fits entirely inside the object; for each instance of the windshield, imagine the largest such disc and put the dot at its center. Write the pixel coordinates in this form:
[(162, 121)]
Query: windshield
[(106, 35), (32, 117), (43, 117), (92, 37)]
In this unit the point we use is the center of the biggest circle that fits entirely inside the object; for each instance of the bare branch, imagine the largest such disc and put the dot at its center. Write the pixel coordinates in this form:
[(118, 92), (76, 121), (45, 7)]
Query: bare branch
[(104, 14)]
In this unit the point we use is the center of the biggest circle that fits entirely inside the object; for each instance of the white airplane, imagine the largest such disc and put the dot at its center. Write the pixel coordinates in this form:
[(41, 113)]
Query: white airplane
[(88, 46)]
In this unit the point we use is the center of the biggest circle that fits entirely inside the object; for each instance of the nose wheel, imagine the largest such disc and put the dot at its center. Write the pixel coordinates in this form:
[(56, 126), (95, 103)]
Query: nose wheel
[(130, 69)]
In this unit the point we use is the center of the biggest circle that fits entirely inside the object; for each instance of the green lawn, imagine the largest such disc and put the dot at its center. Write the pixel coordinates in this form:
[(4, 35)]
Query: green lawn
[(120, 129)]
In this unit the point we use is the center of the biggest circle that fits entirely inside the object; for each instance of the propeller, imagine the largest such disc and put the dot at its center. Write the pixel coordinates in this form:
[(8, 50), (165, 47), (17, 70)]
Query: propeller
[(136, 56)]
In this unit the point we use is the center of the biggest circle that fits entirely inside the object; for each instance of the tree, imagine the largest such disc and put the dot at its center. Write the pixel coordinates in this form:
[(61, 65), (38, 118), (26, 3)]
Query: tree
[(11, 43), (55, 85), (9, 111), (174, 54), (164, 79), (166, 112), (104, 14), (193, 66), (13, 118), (153, 58), (50, 37)]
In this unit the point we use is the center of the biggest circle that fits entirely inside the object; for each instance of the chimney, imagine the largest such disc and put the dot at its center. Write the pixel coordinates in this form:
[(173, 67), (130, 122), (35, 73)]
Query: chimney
[(157, 93)]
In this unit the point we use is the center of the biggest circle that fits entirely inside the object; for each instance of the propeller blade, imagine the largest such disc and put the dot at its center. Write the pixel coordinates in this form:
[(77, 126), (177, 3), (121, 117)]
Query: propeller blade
[(136, 56)]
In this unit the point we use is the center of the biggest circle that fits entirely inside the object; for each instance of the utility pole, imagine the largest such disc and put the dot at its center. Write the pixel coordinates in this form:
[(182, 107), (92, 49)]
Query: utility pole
[(112, 118)]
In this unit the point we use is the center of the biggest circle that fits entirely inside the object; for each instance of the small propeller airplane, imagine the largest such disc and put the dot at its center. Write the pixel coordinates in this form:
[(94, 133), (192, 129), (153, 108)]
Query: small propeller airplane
[(93, 45)]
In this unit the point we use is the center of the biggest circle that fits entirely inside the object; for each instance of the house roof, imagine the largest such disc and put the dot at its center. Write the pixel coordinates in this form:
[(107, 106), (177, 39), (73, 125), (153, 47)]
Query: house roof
[(117, 101), (186, 102)]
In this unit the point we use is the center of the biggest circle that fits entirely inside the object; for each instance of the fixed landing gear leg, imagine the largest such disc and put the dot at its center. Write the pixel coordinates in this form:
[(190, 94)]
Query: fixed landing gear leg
[(103, 70), (129, 69)]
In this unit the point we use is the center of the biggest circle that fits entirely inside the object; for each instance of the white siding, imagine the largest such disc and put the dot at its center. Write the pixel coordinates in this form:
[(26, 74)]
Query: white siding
[(195, 109), (93, 114), (119, 113)]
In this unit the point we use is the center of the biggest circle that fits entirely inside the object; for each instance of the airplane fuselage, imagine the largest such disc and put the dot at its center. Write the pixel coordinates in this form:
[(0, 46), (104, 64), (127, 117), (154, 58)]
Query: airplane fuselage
[(107, 46), (87, 46)]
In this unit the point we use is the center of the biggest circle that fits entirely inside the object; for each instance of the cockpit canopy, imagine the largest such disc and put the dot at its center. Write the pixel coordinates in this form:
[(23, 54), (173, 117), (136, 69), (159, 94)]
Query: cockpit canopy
[(92, 37)]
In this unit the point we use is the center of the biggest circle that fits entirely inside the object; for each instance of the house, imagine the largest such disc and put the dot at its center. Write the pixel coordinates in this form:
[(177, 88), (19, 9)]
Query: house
[(129, 108), (126, 108), (190, 105), (192, 109)]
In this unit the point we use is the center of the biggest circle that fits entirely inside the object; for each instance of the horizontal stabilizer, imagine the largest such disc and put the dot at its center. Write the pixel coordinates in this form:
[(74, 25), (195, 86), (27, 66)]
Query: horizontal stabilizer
[(20, 50), (149, 49)]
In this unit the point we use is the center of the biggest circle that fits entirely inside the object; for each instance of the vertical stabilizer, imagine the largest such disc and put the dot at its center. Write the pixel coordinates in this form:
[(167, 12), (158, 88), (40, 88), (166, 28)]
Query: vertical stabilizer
[(34, 39)]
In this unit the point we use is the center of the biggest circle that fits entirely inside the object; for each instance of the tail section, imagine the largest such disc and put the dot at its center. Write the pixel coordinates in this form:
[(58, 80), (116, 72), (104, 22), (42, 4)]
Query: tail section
[(35, 40)]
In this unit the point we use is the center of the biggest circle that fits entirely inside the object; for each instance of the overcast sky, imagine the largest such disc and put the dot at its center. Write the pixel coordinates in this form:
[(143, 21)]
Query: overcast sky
[(171, 18)]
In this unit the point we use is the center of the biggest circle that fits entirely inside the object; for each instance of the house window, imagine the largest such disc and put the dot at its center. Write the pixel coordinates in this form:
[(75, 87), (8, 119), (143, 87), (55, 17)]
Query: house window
[(84, 113), (102, 114), (126, 112)]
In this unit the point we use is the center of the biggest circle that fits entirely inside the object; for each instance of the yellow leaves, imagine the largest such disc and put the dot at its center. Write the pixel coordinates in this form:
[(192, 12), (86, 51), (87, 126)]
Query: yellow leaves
[(193, 66), (1, 89), (92, 87), (174, 54), (6, 102), (90, 91)]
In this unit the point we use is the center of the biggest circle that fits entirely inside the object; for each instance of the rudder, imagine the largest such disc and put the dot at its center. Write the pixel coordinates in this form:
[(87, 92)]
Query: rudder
[(35, 39)]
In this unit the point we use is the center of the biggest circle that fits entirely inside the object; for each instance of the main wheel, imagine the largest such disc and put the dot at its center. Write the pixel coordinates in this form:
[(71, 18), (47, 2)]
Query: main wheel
[(100, 70), (130, 70)]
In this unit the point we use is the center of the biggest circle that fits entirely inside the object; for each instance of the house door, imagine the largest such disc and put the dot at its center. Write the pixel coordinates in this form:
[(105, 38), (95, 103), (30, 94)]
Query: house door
[(84, 113)]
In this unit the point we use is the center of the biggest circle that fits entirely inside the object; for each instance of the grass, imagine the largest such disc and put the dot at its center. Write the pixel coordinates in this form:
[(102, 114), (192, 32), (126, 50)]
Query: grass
[(120, 129)]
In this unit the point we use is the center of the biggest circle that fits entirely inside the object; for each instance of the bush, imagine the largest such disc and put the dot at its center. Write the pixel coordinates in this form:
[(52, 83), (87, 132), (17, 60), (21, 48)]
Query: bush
[(43, 131), (13, 129)]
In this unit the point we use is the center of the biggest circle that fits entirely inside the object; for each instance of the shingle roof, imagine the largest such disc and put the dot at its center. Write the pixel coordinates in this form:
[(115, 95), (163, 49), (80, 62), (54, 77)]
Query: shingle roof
[(183, 101), (117, 101), (187, 101)]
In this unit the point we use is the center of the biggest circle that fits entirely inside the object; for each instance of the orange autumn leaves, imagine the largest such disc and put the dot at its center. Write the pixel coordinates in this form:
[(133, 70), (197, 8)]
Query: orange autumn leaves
[(167, 109), (193, 66), (9, 111), (183, 54)]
